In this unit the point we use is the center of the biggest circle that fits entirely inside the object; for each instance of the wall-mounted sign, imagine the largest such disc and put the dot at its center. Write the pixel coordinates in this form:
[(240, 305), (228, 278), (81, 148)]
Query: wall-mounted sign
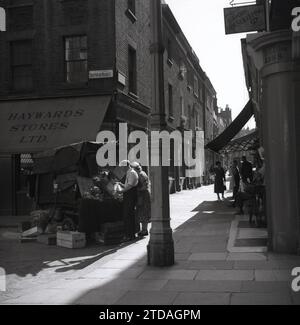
[(245, 19), (101, 74), (121, 79)]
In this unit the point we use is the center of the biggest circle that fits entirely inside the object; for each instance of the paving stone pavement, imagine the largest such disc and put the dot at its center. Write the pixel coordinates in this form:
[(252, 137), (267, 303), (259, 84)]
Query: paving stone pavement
[(204, 272)]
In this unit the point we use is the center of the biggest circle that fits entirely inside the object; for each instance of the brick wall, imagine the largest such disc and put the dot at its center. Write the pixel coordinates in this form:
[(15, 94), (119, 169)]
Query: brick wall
[(137, 34), (47, 22), (183, 85)]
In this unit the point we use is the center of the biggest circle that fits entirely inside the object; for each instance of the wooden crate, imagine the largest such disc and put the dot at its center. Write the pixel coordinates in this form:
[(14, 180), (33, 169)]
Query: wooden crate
[(70, 239)]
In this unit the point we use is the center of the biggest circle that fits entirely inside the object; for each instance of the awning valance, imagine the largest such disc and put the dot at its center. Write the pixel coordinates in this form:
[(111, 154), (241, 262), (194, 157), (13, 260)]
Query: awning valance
[(232, 130), (29, 126)]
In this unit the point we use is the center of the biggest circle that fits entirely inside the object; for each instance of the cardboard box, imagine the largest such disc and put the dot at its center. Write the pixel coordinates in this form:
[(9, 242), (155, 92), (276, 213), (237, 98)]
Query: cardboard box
[(70, 239)]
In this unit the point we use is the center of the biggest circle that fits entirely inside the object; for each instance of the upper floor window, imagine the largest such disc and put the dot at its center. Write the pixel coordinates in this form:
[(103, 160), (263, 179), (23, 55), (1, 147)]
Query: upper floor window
[(132, 71), (170, 50), (2, 20), (131, 6), (21, 65), (76, 63), (196, 86), (170, 92), (182, 106), (20, 18)]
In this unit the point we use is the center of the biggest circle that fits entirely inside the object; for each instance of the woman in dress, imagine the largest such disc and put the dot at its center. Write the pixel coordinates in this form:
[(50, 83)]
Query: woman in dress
[(219, 180), (143, 207)]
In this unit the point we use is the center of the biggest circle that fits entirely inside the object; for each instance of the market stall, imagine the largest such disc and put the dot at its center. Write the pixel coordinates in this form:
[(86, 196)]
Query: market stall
[(72, 193)]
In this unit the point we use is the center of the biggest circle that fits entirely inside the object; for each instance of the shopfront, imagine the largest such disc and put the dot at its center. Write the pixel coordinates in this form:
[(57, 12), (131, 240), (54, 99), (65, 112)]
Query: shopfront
[(31, 126)]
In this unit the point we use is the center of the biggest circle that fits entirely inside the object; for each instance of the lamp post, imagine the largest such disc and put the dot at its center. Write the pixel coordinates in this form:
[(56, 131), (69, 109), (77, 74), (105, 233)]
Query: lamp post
[(161, 245)]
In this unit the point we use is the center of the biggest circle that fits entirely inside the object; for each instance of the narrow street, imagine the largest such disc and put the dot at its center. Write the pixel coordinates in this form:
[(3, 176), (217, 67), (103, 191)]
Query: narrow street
[(211, 268)]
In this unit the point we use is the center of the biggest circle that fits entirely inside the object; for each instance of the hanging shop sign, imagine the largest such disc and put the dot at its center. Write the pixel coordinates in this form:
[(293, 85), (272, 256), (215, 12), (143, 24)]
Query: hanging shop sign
[(245, 19)]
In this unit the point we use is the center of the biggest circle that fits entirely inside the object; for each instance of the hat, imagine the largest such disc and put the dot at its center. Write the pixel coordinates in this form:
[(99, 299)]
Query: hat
[(135, 164), (124, 163)]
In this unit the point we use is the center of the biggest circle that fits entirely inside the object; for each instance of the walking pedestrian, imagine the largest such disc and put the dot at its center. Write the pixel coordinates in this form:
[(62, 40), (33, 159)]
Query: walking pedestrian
[(219, 180)]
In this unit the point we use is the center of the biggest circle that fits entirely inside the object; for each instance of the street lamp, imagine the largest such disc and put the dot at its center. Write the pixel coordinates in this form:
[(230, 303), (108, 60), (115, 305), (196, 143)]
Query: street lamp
[(161, 245)]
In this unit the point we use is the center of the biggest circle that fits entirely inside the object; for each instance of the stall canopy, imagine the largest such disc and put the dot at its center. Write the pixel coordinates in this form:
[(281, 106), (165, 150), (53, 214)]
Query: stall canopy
[(29, 126), (245, 143), (232, 130)]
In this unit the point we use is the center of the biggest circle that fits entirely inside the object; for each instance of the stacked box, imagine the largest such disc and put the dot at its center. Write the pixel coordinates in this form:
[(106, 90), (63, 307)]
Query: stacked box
[(70, 239), (112, 233)]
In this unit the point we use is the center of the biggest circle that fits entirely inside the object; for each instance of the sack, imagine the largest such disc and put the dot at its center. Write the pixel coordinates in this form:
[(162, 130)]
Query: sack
[(224, 187)]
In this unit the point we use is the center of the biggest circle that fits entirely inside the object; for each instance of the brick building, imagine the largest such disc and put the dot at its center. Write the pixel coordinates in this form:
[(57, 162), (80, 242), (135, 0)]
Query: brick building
[(210, 124), (85, 65), (185, 88), (70, 68)]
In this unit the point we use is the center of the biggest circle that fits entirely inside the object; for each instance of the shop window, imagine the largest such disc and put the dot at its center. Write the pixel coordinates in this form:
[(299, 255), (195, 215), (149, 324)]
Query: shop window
[(26, 165), (132, 71), (21, 65), (76, 59), (2, 20)]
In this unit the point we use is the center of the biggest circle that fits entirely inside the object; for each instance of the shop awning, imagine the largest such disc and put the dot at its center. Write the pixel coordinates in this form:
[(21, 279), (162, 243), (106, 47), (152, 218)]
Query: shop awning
[(232, 130), (29, 126), (245, 143)]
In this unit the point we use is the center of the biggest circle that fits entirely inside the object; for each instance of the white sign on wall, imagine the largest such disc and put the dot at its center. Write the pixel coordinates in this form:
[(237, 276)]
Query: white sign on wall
[(121, 79), (101, 74)]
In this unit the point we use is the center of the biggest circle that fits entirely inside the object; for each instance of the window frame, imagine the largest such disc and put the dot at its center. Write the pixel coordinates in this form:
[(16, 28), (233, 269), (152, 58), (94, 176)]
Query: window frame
[(170, 51), (67, 61), (3, 15), (19, 65), (131, 10), (170, 101), (132, 73), (196, 86)]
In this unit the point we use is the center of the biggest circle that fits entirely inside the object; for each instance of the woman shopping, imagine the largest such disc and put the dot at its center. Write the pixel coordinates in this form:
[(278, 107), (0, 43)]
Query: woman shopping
[(143, 207)]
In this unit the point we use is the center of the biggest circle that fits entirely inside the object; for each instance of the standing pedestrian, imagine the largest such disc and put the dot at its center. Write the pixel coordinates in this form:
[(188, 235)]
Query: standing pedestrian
[(219, 180), (129, 191), (246, 171), (143, 207), (236, 178)]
